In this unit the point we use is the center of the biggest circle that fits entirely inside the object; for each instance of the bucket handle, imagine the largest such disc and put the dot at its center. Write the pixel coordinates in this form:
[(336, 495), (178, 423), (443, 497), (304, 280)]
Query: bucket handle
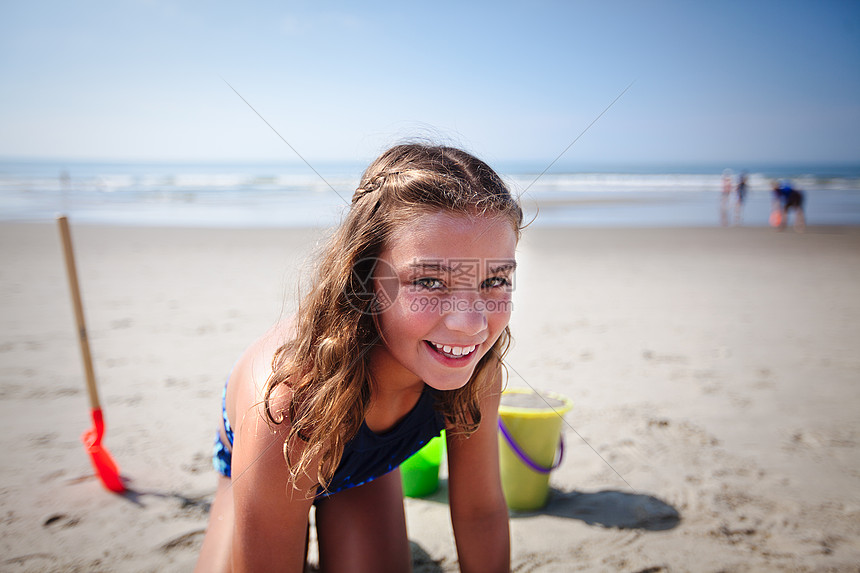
[(525, 457)]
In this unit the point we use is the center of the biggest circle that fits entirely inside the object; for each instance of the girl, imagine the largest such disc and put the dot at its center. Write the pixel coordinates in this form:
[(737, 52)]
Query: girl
[(401, 336)]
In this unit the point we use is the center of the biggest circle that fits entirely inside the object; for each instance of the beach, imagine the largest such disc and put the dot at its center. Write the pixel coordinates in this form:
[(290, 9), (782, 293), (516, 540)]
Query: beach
[(714, 375)]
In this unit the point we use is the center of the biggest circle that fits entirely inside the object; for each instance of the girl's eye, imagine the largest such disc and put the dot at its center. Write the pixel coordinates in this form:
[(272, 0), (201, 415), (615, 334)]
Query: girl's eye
[(496, 282), (429, 283)]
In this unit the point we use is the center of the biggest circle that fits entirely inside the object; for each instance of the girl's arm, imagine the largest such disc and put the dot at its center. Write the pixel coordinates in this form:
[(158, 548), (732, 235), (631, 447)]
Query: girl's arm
[(271, 516), (478, 510)]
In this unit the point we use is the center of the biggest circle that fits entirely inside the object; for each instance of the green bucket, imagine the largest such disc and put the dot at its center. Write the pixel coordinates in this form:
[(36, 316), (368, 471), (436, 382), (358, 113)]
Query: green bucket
[(420, 472), (530, 445)]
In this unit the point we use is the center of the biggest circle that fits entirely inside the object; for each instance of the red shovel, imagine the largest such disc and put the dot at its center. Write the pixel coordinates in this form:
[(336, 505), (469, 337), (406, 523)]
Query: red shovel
[(102, 461)]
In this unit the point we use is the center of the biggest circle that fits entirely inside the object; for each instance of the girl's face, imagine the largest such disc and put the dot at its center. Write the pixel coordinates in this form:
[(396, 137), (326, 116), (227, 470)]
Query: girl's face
[(445, 284)]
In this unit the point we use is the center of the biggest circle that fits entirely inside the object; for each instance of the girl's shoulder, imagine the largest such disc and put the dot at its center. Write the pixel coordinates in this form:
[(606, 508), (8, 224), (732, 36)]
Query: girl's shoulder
[(248, 380)]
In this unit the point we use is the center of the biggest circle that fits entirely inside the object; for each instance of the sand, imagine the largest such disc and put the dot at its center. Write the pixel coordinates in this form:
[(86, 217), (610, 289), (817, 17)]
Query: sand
[(714, 374)]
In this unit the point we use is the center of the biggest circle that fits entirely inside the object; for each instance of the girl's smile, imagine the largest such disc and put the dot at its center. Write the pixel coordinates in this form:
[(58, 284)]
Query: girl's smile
[(452, 351), (453, 278)]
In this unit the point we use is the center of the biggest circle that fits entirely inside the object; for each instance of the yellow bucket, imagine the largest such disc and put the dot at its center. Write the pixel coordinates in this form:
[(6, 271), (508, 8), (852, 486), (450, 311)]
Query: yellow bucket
[(530, 444)]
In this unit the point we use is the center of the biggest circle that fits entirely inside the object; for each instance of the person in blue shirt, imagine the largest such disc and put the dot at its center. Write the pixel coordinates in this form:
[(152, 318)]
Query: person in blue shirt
[(787, 199)]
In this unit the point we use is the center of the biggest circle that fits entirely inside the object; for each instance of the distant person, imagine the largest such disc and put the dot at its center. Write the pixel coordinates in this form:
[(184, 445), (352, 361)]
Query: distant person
[(740, 197), (786, 199), (725, 199)]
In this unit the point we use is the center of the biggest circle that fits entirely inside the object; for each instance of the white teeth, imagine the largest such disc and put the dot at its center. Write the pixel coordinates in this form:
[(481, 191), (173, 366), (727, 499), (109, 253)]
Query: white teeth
[(455, 350)]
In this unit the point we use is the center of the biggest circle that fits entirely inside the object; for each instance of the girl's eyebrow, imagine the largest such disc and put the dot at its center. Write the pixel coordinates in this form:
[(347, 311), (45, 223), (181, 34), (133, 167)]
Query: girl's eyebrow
[(504, 267), (429, 266), (434, 266)]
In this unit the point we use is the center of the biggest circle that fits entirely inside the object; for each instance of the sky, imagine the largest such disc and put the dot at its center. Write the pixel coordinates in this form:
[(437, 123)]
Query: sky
[(162, 80)]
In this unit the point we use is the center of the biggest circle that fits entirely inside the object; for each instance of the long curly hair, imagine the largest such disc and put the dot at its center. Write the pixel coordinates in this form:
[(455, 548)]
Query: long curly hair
[(326, 365)]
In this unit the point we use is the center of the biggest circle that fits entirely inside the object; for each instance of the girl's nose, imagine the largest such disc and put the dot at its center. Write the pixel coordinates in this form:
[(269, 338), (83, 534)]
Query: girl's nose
[(466, 318)]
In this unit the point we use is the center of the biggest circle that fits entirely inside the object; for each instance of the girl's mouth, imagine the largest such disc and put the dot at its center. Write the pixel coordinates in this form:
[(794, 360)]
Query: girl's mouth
[(449, 351)]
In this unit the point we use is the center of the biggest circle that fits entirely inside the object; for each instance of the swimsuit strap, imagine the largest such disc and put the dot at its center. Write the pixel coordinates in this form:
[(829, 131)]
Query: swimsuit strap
[(228, 430)]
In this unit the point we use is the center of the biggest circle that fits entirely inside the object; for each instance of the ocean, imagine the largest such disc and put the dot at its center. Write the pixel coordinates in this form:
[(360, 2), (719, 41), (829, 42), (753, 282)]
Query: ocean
[(294, 195)]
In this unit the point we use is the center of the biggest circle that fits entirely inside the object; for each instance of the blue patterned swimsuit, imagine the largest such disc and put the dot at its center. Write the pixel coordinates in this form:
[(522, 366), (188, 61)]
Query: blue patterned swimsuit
[(366, 456)]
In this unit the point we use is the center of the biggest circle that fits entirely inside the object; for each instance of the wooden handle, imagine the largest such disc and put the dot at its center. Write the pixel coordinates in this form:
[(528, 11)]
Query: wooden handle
[(72, 274)]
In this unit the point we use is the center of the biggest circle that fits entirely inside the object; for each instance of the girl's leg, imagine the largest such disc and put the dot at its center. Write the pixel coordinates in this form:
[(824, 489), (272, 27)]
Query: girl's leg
[(363, 529), (215, 553)]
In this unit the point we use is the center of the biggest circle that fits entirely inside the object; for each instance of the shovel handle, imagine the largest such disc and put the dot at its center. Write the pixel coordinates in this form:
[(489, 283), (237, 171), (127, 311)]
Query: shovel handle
[(72, 275)]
